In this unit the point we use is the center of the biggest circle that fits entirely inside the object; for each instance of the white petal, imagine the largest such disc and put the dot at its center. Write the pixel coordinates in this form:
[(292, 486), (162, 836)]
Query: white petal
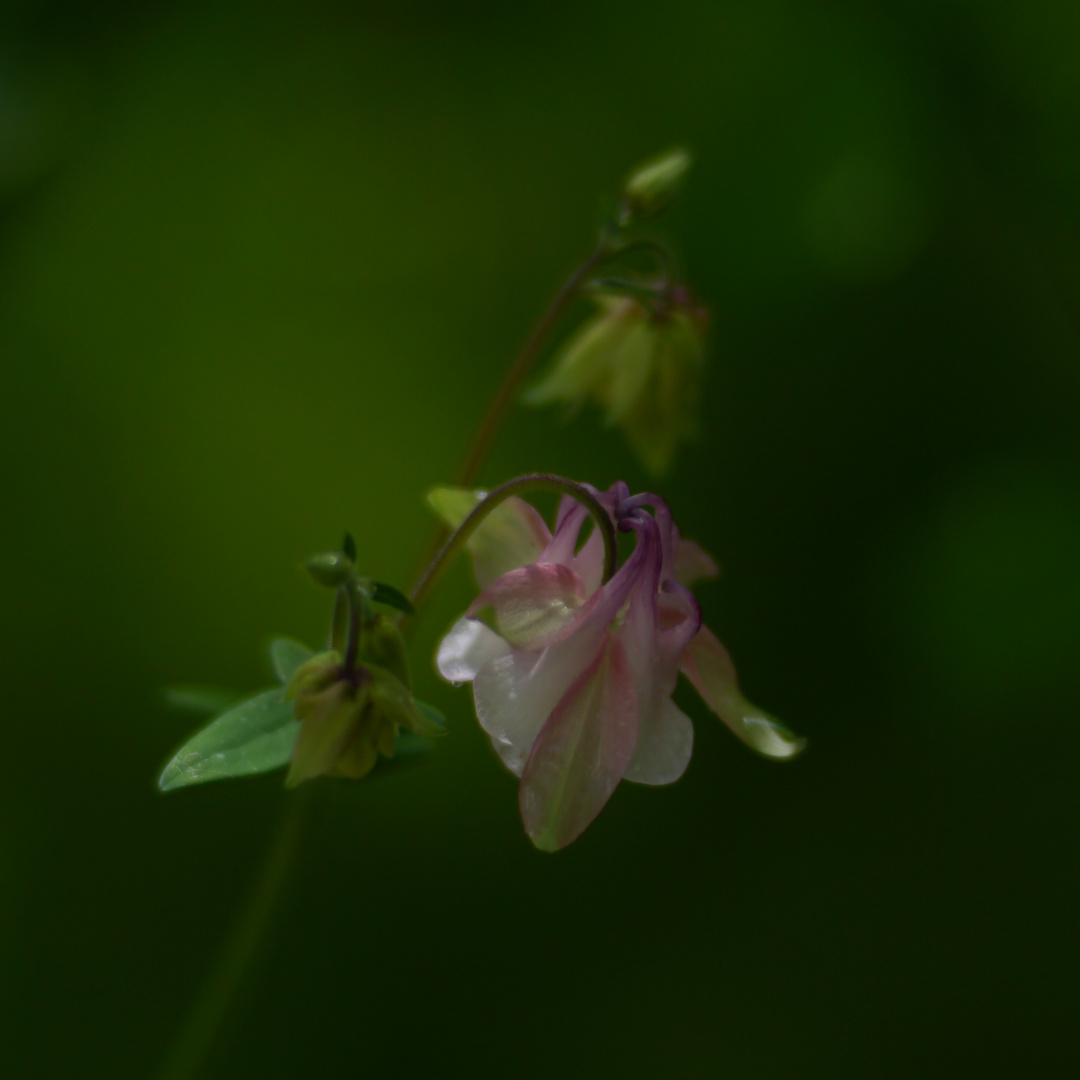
[(665, 742), (516, 693), (467, 648)]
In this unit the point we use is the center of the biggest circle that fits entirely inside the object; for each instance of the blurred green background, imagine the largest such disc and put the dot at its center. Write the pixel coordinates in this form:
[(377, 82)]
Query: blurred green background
[(261, 266)]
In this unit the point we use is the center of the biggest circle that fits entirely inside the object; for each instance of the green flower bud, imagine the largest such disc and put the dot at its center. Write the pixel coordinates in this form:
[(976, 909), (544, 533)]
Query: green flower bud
[(652, 185), (332, 569), (384, 645), (348, 719)]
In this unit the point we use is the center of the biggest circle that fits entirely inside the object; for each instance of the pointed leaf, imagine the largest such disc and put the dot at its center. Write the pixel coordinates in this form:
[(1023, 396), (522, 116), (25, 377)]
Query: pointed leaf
[(205, 700), (254, 737), (348, 546), (286, 655), (387, 594), (430, 713), (410, 745), (409, 751)]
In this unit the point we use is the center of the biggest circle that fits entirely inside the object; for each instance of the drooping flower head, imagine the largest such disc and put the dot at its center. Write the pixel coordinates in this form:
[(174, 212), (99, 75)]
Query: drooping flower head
[(353, 700), (573, 676), (641, 363), (349, 716)]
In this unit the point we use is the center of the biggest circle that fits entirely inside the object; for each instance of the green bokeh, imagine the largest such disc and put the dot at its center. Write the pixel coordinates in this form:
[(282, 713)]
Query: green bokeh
[(261, 267)]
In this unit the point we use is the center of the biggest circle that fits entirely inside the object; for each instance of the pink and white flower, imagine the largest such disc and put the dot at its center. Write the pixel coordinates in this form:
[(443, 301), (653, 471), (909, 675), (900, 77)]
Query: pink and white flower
[(573, 678)]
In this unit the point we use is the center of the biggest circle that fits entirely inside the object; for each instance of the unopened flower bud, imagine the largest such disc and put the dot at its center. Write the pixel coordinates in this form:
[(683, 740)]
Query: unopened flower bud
[(652, 185), (384, 645), (331, 569), (348, 718)]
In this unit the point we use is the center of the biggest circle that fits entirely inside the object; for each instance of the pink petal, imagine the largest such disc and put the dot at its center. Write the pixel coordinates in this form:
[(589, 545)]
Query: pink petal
[(708, 666), (679, 616), (467, 648), (693, 563), (654, 636), (515, 694), (588, 563), (534, 604), (567, 531), (582, 752)]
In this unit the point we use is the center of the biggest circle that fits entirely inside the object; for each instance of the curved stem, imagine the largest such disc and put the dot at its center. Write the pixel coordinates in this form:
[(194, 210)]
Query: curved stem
[(190, 1048), (533, 482), (519, 369), (669, 264)]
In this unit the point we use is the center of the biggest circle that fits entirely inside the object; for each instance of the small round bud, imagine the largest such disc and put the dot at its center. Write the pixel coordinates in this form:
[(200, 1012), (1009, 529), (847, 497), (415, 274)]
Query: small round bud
[(653, 184), (331, 569)]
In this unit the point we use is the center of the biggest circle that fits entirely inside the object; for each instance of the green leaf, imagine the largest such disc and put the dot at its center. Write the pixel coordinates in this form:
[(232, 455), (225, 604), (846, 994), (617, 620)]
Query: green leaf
[(387, 594), (430, 712), (410, 745), (286, 655), (207, 700), (348, 545), (409, 750), (254, 737)]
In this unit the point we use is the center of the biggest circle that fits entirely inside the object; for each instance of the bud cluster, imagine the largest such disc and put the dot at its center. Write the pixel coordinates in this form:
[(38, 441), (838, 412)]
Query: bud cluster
[(353, 700)]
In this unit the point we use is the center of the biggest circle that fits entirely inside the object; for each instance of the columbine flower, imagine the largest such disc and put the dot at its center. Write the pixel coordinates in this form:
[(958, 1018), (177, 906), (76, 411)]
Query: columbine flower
[(641, 365), (573, 679)]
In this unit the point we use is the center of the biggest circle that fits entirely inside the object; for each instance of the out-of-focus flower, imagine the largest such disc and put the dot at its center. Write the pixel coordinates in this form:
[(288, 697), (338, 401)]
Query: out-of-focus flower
[(642, 365), (347, 718), (573, 678)]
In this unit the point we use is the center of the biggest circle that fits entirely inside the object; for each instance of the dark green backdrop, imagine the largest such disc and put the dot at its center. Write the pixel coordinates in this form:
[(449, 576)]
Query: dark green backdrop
[(260, 267)]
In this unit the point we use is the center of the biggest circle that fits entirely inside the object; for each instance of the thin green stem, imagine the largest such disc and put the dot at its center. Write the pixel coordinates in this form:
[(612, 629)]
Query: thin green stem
[(516, 374), (519, 369), (533, 482), (669, 263), (359, 617), (195, 1038), (352, 640)]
